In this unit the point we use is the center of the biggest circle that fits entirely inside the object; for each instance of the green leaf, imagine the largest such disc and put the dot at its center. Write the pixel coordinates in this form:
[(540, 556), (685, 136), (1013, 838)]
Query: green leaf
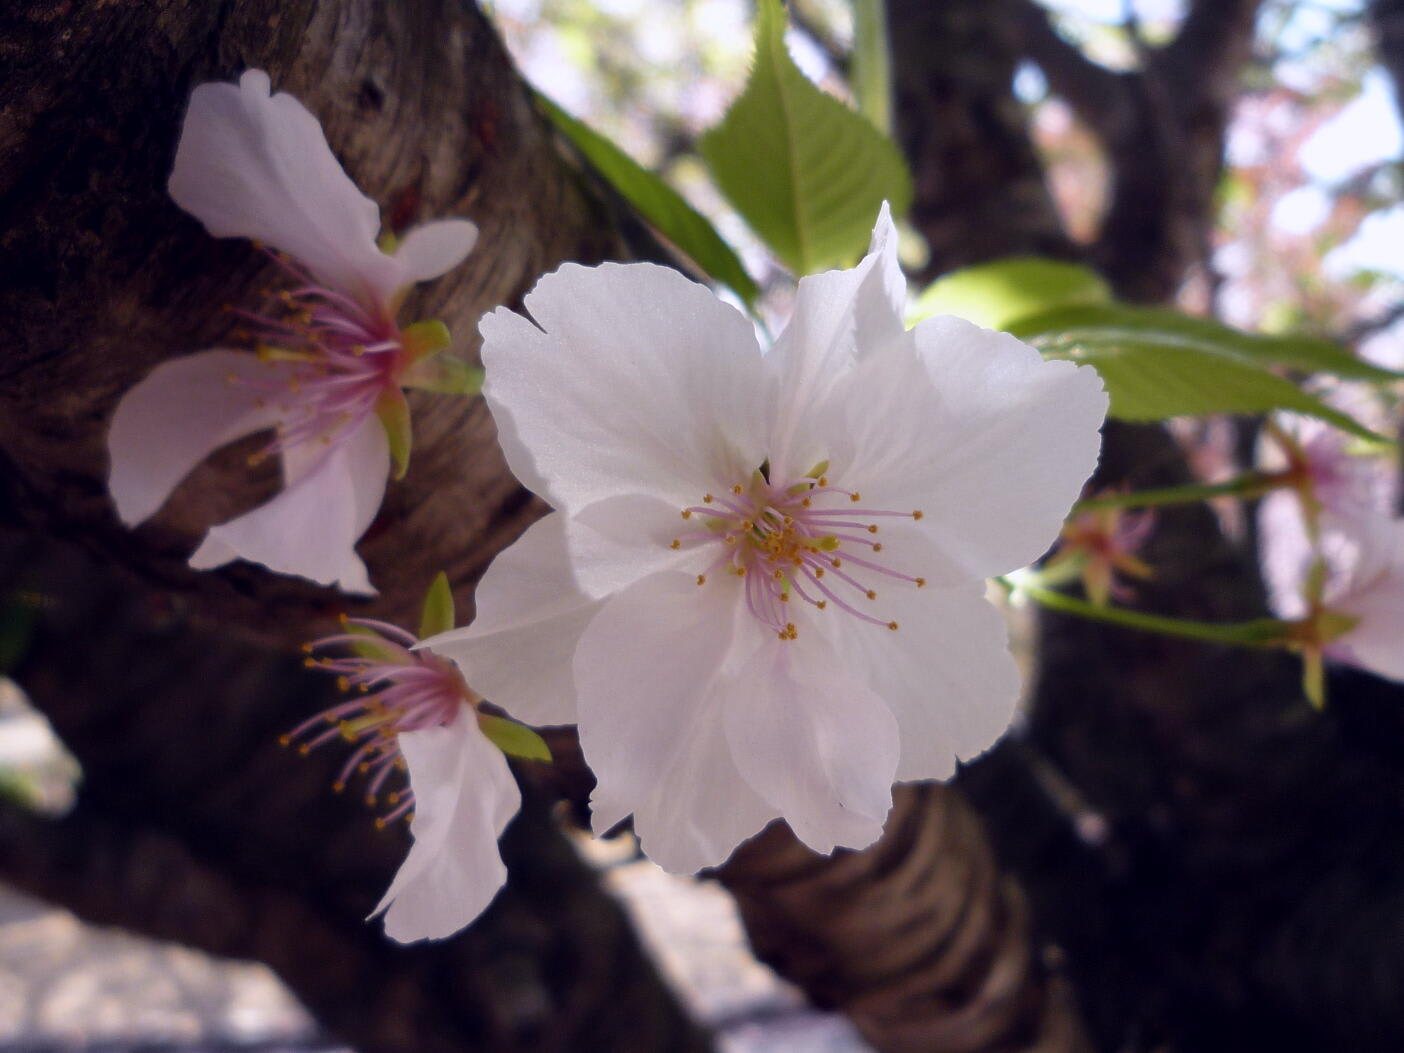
[(513, 739), (995, 295), (1155, 366), (662, 206), (806, 172), (437, 616), (872, 63), (1107, 322)]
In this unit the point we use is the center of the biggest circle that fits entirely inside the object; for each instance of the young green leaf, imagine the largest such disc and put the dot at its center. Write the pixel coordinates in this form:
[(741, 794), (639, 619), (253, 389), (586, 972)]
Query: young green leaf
[(806, 172), (513, 739), (1105, 324), (872, 63), (662, 206), (995, 295), (437, 615), (1149, 381)]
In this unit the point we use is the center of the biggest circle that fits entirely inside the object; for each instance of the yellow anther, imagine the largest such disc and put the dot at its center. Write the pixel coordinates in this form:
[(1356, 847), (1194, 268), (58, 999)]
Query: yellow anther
[(737, 490), (379, 823), (837, 562), (855, 497), (701, 579), (784, 597), (877, 547), (920, 582), (872, 594), (818, 572), (363, 767), (394, 798), (805, 502), (370, 800), (338, 787), (687, 513), (823, 480), (343, 684), (675, 543), (307, 648), (917, 514), (872, 528), (309, 663), (284, 740), (304, 749), (822, 604), (707, 499), (892, 626), (740, 572), (778, 575)]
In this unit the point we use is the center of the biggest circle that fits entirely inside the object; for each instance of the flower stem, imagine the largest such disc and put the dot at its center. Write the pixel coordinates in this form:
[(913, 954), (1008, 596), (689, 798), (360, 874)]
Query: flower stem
[(1249, 484), (1260, 632)]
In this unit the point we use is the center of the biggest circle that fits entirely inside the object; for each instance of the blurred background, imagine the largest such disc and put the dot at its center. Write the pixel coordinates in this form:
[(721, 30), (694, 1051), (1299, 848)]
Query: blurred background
[(1221, 872)]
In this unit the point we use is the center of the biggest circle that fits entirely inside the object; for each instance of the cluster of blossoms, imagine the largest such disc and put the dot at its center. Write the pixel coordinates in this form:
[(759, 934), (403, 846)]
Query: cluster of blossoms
[(761, 592), (1332, 546)]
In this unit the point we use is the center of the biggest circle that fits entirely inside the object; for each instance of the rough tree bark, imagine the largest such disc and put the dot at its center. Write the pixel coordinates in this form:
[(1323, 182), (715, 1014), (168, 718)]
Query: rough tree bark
[(190, 824)]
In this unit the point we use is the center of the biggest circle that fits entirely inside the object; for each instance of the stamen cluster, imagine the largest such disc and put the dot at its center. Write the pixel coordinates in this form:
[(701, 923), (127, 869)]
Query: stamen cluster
[(397, 690), (795, 540), (340, 358)]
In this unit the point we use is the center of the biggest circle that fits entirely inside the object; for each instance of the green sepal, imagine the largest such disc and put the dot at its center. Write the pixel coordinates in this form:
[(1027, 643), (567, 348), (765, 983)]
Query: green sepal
[(437, 615), (1332, 625), (394, 414), (443, 375), (426, 338), (513, 739), (375, 647)]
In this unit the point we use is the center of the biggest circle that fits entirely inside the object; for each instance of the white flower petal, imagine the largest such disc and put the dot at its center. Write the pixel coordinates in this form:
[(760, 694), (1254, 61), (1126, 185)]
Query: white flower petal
[(813, 741), (946, 673), (311, 528), (700, 810), (649, 668), (464, 797), (642, 382), (993, 451), (183, 411), (835, 315), (1285, 553), (435, 248), (539, 594), (255, 165)]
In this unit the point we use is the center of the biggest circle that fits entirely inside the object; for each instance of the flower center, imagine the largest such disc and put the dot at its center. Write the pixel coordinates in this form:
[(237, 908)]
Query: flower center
[(336, 357), (807, 540), (396, 689)]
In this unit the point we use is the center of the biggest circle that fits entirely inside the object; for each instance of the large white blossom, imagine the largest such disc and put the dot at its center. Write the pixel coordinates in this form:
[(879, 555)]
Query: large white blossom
[(762, 592), (332, 359)]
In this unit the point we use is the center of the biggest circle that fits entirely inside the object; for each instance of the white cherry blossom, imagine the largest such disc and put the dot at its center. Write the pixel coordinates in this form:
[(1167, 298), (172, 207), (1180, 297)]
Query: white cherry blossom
[(332, 358), (412, 714), (1331, 546), (761, 593)]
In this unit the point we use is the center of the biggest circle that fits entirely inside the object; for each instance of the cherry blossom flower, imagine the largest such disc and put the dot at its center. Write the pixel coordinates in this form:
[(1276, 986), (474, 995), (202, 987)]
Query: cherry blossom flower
[(332, 359), (412, 713), (761, 594), (1332, 550), (1100, 544)]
